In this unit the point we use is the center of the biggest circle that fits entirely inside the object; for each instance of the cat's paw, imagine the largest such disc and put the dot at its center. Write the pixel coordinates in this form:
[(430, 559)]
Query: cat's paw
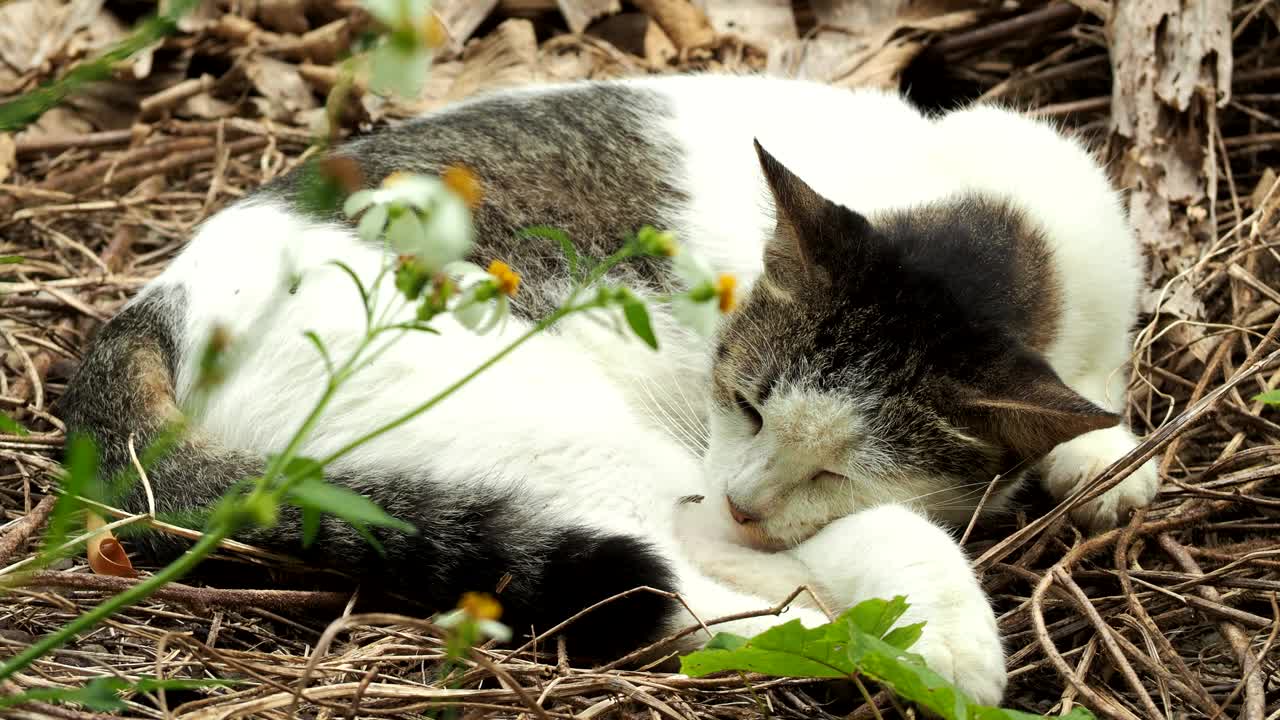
[(1073, 464), (964, 648), (890, 550)]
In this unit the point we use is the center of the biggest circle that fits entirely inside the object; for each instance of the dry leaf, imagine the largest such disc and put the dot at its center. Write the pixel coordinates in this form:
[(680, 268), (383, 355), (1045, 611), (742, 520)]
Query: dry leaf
[(506, 57), (200, 18), (284, 92), (581, 13), (1263, 189), (56, 122), (624, 31), (865, 55), (762, 23), (8, 155), (682, 21), (106, 554), (206, 107), (462, 17), (288, 16), (32, 31)]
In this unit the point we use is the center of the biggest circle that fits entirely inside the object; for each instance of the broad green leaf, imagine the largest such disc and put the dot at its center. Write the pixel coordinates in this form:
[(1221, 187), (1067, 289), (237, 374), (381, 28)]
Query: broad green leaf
[(859, 642), (726, 641), (10, 259), (875, 616), (316, 494), (904, 637), (1271, 397), (547, 232), (638, 318), (787, 650), (9, 426)]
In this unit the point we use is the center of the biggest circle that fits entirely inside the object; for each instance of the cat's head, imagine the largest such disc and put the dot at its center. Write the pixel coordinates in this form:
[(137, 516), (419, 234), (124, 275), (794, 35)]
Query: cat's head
[(886, 359)]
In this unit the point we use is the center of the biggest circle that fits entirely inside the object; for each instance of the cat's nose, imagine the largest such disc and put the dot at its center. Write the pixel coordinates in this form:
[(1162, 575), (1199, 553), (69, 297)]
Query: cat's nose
[(739, 515)]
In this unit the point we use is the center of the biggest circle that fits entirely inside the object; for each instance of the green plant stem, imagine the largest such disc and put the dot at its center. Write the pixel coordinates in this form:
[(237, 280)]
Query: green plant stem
[(169, 573), (564, 311), (455, 386)]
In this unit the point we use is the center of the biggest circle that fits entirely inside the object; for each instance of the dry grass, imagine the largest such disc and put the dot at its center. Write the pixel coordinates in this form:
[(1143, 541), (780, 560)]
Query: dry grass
[(1173, 615)]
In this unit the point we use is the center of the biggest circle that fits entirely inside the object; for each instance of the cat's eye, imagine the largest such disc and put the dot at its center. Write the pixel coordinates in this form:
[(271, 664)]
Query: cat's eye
[(750, 411)]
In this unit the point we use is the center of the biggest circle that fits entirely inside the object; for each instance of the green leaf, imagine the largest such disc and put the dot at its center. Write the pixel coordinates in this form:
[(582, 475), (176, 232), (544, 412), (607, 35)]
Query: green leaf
[(99, 695), (102, 693), (547, 232), (10, 259), (1271, 397), (9, 426), (319, 194), (638, 318), (876, 616), (324, 353), (316, 494), (787, 650), (364, 294), (310, 526), (861, 641), (80, 474), (904, 637), (726, 641)]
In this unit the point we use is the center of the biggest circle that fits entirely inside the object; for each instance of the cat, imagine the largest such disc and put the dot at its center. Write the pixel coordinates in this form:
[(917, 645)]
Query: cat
[(928, 304)]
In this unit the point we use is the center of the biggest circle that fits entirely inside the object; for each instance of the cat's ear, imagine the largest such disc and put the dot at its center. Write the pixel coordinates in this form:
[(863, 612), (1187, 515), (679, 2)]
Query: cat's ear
[(1026, 408), (813, 235)]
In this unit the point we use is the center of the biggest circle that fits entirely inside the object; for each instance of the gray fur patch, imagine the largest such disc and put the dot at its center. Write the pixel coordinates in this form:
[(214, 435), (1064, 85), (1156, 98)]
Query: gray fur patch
[(585, 159)]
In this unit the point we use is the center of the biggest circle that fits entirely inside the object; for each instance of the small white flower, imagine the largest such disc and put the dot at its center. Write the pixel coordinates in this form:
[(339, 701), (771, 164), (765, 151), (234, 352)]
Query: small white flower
[(420, 215), (487, 628), (449, 228), (480, 307), (697, 308), (701, 317)]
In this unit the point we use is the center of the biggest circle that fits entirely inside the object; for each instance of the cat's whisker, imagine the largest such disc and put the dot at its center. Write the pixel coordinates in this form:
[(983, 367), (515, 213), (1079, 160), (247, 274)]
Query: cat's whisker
[(669, 424)]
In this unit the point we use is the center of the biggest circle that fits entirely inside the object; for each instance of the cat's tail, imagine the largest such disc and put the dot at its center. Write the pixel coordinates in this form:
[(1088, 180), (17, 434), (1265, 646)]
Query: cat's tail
[(542, 571)]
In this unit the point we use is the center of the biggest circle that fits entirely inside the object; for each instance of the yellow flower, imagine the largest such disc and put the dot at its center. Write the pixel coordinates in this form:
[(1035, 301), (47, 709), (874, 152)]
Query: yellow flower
[(725, 285), (480, 606), (463, 182), (395, 178), (508, 280), (433, 32), (709, 295)]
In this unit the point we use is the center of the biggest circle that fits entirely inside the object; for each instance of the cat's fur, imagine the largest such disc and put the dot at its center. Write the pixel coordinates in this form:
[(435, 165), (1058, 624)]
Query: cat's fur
[(962, 312)]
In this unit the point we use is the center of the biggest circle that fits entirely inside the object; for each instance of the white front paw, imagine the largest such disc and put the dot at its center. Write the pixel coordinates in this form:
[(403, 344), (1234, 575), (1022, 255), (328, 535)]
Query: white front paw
[(1073, 464), (964, 647), (890, 550)]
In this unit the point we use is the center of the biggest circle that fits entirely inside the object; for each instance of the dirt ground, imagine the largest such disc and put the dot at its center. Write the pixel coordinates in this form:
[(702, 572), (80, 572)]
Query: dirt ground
[(1174, 615)]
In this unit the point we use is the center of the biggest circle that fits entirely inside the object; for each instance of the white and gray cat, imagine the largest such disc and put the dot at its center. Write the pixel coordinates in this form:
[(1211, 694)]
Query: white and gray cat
[(930, 303)]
